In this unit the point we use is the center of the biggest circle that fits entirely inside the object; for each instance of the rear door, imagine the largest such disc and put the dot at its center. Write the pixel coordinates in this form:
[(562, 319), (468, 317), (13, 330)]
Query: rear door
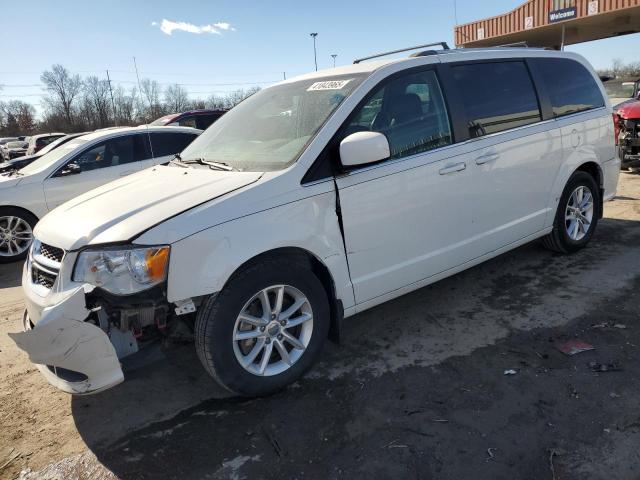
[(515, 154), (94, 166)]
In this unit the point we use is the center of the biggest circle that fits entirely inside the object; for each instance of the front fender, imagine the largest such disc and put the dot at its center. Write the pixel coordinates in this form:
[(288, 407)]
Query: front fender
[(202, 263)]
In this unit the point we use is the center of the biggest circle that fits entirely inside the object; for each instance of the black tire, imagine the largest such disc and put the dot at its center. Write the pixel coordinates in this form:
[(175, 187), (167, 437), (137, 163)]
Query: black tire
[(558, 240), (27, 217), (216, 320)]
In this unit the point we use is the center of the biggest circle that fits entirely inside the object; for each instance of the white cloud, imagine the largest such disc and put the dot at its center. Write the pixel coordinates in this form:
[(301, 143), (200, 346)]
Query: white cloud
[(168, 27)]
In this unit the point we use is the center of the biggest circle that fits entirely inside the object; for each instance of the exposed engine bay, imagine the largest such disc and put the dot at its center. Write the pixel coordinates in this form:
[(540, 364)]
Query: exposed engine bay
[(142, 320), (627, 121)]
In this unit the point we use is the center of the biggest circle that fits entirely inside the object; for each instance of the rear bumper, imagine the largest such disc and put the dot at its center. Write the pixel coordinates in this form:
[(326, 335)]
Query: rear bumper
[(71, 353)]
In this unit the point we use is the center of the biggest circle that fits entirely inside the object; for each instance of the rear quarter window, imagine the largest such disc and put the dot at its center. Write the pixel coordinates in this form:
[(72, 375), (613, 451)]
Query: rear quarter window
[(571, 87)]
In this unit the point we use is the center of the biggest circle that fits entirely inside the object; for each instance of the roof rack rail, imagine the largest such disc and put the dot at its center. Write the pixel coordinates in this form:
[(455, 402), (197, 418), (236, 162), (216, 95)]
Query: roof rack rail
[(441, 44), (522, 44)]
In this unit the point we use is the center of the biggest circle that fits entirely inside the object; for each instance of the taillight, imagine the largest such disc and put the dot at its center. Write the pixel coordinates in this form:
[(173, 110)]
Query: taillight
[(616, 127)]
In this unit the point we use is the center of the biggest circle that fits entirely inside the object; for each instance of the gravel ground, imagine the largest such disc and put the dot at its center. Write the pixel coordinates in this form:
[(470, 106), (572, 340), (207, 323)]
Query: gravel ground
[(416, 390)]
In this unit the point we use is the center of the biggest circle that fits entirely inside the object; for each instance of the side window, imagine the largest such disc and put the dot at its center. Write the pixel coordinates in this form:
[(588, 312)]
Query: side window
[(185, 122), (110, 153), (410, 112), (204, 121), (571, 87), (496, 96), (165, 144)]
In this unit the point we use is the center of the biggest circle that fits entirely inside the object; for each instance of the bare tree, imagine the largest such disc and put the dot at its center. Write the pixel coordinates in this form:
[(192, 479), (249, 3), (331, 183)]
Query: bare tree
[(96, 93), (125, 105), (19, 118), (176, 98), (149, 105), (63, 89)]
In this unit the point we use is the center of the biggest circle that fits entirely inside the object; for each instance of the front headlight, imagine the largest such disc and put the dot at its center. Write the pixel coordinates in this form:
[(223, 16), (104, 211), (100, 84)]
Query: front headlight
[(123, 271)]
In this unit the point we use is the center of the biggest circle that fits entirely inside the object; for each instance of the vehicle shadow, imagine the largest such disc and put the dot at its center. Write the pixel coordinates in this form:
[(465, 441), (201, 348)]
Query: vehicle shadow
[(170, 419), (10, 274)]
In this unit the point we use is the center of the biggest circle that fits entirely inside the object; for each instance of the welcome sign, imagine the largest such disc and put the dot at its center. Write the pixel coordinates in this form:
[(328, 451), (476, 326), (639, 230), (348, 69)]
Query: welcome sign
[(563, 14)]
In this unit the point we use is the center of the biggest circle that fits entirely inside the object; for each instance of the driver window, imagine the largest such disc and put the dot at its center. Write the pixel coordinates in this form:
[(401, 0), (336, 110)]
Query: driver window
[(410, 112), (111, 153)]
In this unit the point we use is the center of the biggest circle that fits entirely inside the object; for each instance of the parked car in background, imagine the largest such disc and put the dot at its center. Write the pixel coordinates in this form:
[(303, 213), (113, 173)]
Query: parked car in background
[(25, 160), (79, 165), (621, 90), (628, 134), (13, 150), (200, 119), (313, 200), (38, 142)]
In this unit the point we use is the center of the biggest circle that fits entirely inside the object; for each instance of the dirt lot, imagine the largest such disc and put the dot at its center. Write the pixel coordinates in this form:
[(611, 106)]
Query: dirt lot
[(416, 390)]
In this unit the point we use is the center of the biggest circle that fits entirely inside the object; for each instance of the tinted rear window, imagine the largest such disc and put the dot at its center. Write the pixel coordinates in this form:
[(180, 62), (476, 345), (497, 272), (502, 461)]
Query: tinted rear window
[(497, 96), (170, 143), (571, 87)]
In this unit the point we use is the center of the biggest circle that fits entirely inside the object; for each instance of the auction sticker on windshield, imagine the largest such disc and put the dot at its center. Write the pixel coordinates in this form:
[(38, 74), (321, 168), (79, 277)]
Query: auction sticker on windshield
[(328, 85)]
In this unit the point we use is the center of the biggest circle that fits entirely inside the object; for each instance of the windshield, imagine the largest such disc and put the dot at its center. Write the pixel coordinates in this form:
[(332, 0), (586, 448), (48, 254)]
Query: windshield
[(53, 145), (270, 129), (48, 159), (619, 89)]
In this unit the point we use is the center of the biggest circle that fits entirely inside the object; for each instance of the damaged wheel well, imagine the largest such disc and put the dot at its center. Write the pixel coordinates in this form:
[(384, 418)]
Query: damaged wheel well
[(319, 269)]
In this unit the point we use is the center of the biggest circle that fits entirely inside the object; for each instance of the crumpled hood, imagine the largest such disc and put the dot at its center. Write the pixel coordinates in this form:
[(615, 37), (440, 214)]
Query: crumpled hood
[(120, 210), (629, 110)]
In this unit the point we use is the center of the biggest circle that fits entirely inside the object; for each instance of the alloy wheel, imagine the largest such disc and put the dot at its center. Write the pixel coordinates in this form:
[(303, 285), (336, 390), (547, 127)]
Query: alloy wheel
[(15, 236), (273, 330), (579, 213)]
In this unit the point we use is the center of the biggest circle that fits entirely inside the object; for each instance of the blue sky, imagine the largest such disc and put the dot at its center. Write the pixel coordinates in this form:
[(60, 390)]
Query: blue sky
[(253, 43)]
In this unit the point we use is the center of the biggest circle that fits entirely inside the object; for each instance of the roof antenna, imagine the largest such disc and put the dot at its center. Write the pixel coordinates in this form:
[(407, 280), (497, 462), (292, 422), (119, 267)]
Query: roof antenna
[(135, 65)]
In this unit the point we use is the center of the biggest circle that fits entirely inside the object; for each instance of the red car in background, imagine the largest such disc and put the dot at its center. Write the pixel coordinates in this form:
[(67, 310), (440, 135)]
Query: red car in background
[(627, 121), (200, 119)]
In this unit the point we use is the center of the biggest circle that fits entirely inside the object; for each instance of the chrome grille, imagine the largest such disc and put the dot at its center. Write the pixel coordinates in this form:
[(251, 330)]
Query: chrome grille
[(42, 277), (52, 253), (45, 265)]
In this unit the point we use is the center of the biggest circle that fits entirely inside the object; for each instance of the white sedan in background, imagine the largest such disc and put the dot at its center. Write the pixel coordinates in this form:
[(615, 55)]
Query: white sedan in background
[(80, 165)]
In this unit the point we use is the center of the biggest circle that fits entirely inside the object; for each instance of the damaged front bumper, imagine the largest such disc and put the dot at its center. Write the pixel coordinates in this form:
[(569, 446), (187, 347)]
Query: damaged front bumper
[(74, 355)]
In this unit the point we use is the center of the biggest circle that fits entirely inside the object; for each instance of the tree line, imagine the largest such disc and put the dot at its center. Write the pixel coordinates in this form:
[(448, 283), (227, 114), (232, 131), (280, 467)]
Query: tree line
[(71, 103)]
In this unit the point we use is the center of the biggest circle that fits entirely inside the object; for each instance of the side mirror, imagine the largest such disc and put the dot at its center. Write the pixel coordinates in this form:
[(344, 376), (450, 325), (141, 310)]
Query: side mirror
[(70, 169), (362, 148)]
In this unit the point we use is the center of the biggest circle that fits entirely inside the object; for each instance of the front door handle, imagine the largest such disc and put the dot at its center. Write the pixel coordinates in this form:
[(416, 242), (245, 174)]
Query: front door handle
[(456, 167), (489, 157)]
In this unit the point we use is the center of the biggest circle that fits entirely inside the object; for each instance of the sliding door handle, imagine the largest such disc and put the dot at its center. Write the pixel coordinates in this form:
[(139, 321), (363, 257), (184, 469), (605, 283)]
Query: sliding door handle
[(456, 167)]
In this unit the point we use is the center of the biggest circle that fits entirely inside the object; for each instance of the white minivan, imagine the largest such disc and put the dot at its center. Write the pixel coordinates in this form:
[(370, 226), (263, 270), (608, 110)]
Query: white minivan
[(81, 164), (315, 199)]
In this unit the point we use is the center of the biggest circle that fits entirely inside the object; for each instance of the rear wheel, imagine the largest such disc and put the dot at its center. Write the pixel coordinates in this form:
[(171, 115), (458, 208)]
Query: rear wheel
[(16, 234), (264, 329), (577, 215)]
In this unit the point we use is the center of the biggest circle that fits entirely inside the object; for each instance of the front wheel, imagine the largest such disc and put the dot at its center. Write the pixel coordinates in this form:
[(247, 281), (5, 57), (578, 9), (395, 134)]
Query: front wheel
[(577, 215), (264, 329), (16, 234)]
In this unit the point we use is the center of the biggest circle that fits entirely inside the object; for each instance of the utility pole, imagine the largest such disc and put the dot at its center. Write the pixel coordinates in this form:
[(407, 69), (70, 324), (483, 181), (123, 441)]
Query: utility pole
[(284, 75), (315, 57), (113, 104), (334, 55)]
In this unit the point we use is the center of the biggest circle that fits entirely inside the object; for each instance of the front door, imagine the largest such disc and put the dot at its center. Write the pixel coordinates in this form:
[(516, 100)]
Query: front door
[(93, 167), (412, 216)]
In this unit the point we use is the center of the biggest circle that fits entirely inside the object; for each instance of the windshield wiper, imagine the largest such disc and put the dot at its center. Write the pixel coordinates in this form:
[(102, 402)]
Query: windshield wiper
[(214, 165), (11, 173)]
